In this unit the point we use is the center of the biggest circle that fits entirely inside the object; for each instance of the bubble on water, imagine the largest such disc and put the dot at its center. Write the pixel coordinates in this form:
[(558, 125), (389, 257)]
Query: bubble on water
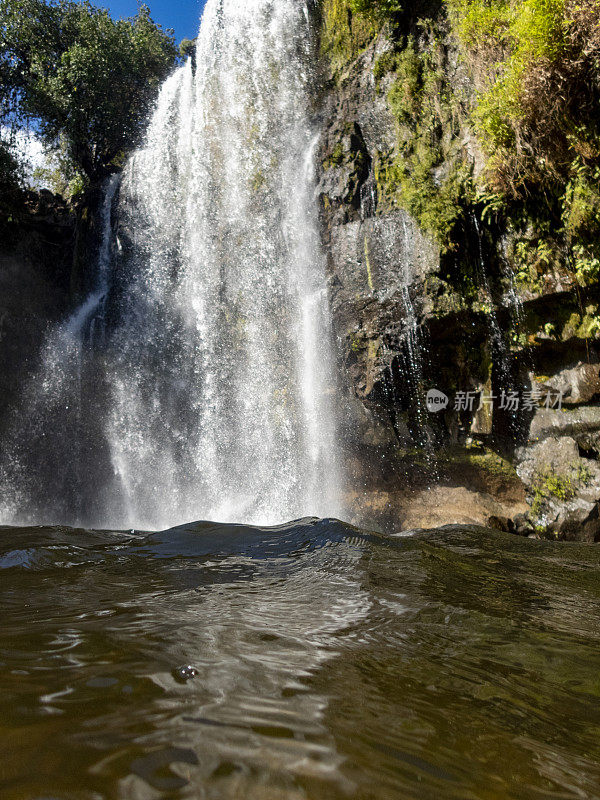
[(185, 673)]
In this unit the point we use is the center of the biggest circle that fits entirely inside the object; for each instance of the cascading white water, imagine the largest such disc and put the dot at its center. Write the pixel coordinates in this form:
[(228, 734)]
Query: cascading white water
[(210, 393)]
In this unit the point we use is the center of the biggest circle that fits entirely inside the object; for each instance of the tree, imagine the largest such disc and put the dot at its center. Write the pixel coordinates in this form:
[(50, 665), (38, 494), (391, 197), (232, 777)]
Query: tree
[(88, 80), (187, 47), (11, 193)]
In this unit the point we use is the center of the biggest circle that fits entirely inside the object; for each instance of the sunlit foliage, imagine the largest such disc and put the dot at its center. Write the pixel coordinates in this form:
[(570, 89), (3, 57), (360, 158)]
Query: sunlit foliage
[(86, 79)]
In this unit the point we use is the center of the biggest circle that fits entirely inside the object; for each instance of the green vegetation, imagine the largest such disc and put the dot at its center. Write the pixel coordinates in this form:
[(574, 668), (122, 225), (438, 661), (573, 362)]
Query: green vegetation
[(536, 66), (428, 175), (482, 459), (529, 113), (187, 48), (10, 184), (343, 32), (548, 485), (85, 80), (523, 54), (337, 157), (348, 26)]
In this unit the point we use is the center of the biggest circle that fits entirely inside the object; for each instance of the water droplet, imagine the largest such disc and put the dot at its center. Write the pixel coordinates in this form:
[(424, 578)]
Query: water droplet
[(185, 673)]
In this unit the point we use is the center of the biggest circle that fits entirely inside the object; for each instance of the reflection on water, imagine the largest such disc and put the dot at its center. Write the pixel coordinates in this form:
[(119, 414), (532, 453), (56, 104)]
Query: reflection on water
[(312, 660)]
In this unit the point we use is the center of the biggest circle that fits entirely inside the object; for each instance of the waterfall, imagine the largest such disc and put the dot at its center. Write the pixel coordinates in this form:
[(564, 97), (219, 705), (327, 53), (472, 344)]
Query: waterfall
[(209, 393)]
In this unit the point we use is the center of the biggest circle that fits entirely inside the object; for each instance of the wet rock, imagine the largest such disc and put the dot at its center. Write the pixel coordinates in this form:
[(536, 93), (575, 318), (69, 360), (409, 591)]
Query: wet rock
[(378, 259), (557, 455), (500, 523), (589, 444), (579, 384), (563, 488), (579, 519), (574, 423), (346, 165), (35, 268), (424, 507), (390, 286), (521, 525)]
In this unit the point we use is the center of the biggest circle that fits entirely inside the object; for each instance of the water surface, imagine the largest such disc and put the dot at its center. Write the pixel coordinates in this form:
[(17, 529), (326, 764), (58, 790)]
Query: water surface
[(313, 660)]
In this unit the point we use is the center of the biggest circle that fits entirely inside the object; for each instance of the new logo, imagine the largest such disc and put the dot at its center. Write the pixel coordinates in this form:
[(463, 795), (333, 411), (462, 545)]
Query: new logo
[(436, 401)]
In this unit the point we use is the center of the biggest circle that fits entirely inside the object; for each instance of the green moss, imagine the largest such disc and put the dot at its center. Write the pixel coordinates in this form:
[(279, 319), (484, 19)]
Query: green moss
[(345, 31), (548, 485), (387, 62), (492, 463), (585, 325), (443, 299), (428, 174), (349, 26), (258, 180), (436, 206), (481, 460), (480, 22), (589, 327), (407, 93), (356, 344), (337, 157)]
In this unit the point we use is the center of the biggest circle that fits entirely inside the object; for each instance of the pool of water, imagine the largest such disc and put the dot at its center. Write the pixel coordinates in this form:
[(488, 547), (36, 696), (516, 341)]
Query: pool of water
[(312, 660)]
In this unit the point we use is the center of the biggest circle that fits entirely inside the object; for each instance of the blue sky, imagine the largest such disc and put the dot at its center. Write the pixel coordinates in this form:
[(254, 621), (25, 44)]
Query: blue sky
[(182, 15)]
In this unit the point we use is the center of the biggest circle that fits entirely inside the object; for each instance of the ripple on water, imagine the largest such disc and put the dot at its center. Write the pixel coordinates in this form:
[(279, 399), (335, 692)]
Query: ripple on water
[(307, 661)]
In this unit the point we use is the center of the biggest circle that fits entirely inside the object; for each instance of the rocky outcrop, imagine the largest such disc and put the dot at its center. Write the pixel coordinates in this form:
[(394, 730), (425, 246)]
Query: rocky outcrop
[(559, 466), (479, 328), (575, 385)]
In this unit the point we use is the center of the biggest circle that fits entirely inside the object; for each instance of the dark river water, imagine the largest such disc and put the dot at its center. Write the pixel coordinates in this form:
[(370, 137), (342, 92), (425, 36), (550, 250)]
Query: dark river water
[(313, 660)]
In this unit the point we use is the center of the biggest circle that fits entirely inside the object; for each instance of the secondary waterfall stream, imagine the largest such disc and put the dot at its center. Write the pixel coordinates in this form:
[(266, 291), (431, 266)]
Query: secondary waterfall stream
[(195, 380)]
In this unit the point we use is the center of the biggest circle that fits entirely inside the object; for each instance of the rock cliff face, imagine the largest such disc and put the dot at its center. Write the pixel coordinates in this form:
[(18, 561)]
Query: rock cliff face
[(36, 255), (411, 316), (47, 255)]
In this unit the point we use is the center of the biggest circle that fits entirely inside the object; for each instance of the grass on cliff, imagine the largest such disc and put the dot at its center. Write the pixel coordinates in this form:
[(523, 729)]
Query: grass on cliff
[(421, 99), (344, 33), (533, 119), (428, 174), (536, 68), (535, 64), (348, 26)]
